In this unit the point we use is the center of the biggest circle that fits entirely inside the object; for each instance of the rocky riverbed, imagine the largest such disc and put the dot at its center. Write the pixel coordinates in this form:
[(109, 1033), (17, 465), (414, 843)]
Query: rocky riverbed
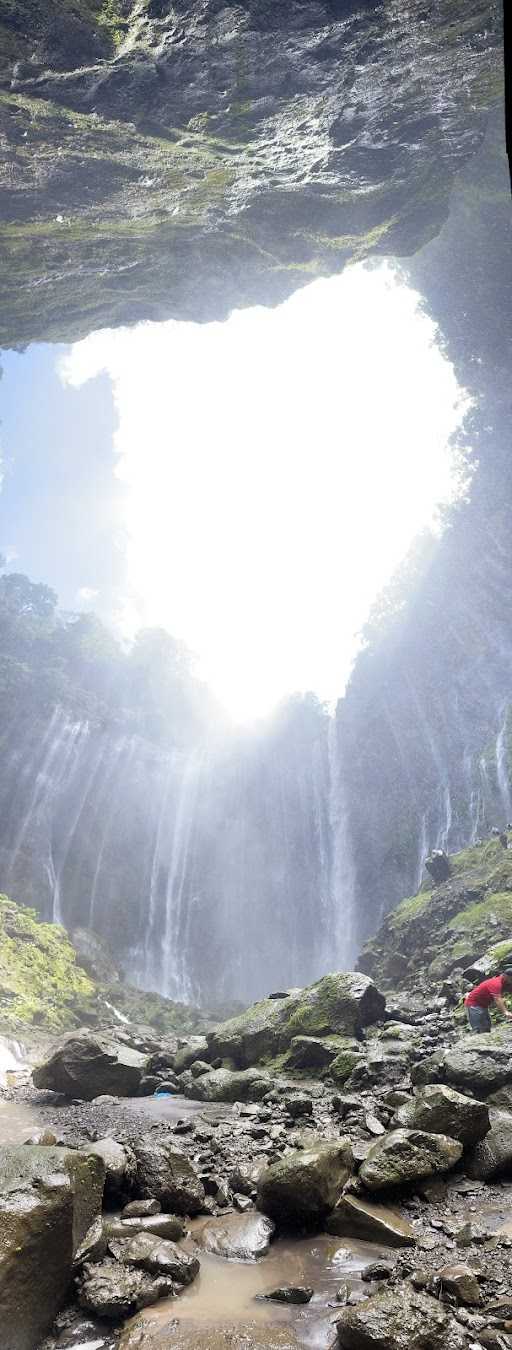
[(330, 1167)]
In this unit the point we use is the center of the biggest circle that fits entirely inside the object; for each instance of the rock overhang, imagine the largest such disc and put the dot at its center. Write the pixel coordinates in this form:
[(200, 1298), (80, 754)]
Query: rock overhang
[(215, 156)]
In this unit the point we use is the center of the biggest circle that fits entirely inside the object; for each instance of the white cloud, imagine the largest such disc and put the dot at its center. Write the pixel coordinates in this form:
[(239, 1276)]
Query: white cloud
[(276, 468)]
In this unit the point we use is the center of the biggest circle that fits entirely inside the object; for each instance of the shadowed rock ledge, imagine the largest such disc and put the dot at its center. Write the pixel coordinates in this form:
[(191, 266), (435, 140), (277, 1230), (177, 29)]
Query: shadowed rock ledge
[(177, 160)]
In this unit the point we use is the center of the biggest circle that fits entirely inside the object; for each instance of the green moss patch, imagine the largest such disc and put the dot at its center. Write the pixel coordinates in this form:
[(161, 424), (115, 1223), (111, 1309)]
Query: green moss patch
[(40, 982)]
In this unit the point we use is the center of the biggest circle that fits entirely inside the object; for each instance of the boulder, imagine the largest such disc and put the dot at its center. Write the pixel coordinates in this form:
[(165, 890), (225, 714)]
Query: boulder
[(461, 1281), (408, 1155), (114, 1291), (239, 1237), (141, 1209), (399, 1319), (302, 1187), (358, 1218), (492, 1156), (340, 1004), (156, 1255), (120, 1166), (86, 1064), (50, 1200), (315, 1052), (187, 1335), (343, 1066), (442, 1110), (195, 1047), (163, 1225), (166, 1175), (226, 1085), (289, 1293), (438, 865), (478, 1062)]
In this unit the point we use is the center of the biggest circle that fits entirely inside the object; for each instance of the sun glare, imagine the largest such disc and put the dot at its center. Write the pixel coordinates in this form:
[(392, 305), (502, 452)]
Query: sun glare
[(276, 469)]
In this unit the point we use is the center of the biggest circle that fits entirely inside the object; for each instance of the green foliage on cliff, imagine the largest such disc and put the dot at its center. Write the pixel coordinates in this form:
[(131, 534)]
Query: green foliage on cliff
[(40, 982), (448, 926), (49, 658)]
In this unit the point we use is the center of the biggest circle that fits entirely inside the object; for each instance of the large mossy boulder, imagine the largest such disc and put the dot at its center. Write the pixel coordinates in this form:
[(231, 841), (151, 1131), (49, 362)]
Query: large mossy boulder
[(302, 1187), (439, 1109), (86, 1064), (50, 1199), (408, 1155), (165, 1174), (339, 1004), (226, 1085), (399, 1319)]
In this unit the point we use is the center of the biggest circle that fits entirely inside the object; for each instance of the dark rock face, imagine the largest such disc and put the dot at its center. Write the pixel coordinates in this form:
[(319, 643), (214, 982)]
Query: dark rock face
[(166, 1175), (50, 1198), (217, 157), (87, 1065)]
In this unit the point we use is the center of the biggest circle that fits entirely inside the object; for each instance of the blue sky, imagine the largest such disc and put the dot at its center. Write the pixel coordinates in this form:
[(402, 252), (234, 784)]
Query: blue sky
[(59, 502)]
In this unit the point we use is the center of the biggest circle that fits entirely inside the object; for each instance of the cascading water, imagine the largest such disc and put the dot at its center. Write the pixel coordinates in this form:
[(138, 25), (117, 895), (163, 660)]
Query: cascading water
[(502, 767)]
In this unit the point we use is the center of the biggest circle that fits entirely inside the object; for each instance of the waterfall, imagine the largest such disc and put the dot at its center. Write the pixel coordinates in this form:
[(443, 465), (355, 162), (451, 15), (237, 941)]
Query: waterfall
[(344, 945), (176, 980), (423, 850), (502, 768)]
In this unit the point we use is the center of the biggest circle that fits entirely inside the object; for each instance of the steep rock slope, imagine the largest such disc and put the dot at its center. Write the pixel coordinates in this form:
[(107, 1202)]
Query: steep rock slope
[(424, 731), (165, 160)]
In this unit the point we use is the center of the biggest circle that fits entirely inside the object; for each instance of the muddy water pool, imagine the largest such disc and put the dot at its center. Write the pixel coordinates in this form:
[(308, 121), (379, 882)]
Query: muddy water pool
[(227, 1291)]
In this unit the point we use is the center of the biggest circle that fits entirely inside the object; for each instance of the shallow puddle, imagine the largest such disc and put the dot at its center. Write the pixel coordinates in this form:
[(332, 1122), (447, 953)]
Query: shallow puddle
[(226, 1291), (17, 1122)]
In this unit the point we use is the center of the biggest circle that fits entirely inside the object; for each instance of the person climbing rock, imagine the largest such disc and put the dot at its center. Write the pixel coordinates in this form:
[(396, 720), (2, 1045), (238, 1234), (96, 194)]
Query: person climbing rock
[(479, 1000)]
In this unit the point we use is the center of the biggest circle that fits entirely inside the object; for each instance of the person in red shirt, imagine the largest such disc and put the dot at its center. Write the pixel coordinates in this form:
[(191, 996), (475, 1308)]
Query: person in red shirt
[(479, 1000)]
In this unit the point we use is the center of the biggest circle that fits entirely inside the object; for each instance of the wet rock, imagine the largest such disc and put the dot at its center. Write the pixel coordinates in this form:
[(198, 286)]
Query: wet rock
[(85, 1065), (442, 1110), (479, 1063), (340, 1004), (226, 1085), (492, 1157), (360, 1218), (461, 1281), (114, 1291), (299, 1105), (344, 1065), (50, 1198), (242, 1237), (199, 1067), (157, 1256), (120, 1165), (194, 1048), (438, 865), (44, 1138), (289, 1294), (408, 1155), (399, 1319), (93, 1246), (166, 1175), (195, 1336), (377, 1270), (303, 1186), (313, 1052), (163, 1225), (140, 1209)]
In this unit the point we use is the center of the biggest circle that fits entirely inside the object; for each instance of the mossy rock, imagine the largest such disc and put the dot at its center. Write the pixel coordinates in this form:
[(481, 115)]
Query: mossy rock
[(339, 1004)]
